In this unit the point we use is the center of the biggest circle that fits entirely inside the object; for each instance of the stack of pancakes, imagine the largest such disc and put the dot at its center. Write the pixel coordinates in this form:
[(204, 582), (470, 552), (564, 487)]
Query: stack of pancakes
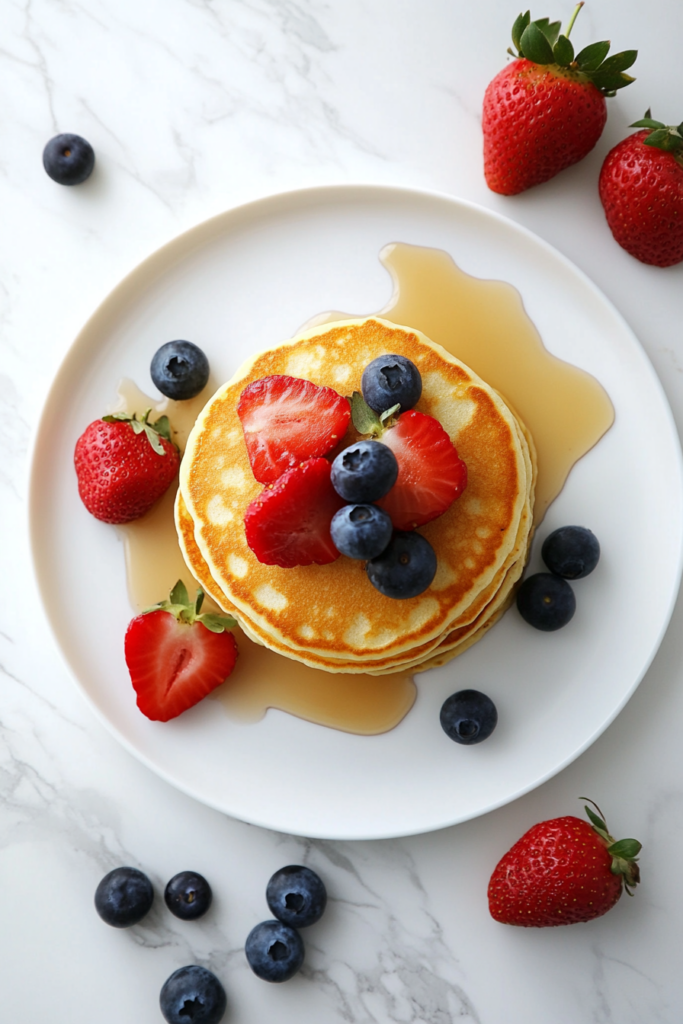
[(330, 616)]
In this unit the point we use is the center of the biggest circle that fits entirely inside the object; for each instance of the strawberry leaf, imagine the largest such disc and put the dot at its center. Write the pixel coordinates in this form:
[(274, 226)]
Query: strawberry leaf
[(595, 820), (647, 122), (521, 22), (619, 61), (625, 848), (388, 413), (534, 45), (611, 81), (216, 623), (550, 30), (563, 52), (365, 419), (592, 56), (179, 594), (163, 427)]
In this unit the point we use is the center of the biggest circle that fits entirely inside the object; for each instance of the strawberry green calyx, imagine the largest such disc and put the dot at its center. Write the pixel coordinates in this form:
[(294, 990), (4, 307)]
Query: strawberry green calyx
[(663, 136), (153, 431), (366, 420), (542, 42), (624, 852), (188, 612)]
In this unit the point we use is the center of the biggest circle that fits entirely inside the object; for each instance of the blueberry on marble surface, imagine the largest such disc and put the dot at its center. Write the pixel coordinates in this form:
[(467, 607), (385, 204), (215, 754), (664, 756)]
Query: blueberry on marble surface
[(361, 531), (123, 897), (546, 601), (297, 896), (405, 568), (571, 552), (188, 895), (192, 995), (364, 472), (68, 159), (391, 380), (180, 370), (468, 716), (275, 951)]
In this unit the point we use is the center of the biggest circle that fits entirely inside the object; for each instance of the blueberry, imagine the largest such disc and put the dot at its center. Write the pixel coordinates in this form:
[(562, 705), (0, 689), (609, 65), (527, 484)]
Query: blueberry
[(364, 472), (546, 601), (123, 897), (361, 531), (297, 896), (274, 950), (68, 159), (405, 568), (188, 895), (179, 370), (192, 995), (571, 552), (468, 716), (391, 380)]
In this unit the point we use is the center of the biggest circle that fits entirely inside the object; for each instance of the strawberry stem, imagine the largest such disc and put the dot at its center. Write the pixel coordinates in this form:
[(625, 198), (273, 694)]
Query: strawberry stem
[(624, 852), (573, 18)]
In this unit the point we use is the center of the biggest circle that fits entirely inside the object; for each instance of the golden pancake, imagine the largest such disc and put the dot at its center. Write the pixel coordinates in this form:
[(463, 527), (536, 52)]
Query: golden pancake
[(333, 611)]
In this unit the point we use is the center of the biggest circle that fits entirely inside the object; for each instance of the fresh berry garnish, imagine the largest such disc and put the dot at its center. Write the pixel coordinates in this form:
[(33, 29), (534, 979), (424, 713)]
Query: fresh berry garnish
[(123, 897), (546, 110), (124, 464), (188, 895), (274, 950), (430, 474), (176, 656), (546, 601), (296, 896), (288, 524), (563, 871), (192, 995), (468, 716), (180, 370), (571, 552), (364, 472), (361, 531), (405, 568), (68, 159), (287, 420), (641, 190), (391, 380)]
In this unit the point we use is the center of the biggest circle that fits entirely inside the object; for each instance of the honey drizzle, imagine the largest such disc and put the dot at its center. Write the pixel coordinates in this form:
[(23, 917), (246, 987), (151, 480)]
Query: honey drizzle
[(484, 324)]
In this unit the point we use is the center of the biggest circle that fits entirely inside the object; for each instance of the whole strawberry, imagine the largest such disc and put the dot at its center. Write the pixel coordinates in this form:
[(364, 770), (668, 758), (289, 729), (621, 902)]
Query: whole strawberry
[(641, 189), (546, 110), (124, 464), (562, 871)]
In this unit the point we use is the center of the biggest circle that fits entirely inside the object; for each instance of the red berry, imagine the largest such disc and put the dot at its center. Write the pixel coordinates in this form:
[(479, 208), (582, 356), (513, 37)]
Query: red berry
[(562, 871), (641, 190), (174, 658), (289, 523), (430, 473), (120, 474), (287, 420)]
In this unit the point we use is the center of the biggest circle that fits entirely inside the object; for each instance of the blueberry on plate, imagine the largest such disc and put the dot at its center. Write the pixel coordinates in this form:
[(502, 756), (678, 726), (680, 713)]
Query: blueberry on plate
[(571, 552), (546, 601), (274, 950), (405, 568), (68, 159), (179, 370), (391, 380), (188, 895), (297, 896), (361, 531), (468, 716), (123, 897), (364, 472), (192, 994)]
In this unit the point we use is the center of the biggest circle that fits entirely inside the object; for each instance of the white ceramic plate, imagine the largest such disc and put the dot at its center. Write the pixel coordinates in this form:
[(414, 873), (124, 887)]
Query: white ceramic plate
[(248, 279)]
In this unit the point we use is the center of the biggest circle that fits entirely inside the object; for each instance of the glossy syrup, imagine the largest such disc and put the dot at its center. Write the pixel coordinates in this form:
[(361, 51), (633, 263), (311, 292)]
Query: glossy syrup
[(484, 324)]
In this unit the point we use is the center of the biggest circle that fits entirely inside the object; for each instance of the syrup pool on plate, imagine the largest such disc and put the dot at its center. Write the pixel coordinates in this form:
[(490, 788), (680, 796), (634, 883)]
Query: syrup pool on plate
[(484, 324)]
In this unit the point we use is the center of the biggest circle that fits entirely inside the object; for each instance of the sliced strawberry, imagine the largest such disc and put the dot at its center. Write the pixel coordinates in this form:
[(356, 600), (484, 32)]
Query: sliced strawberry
[(289, 523), (287, 420), (176, 656), (430, 473)]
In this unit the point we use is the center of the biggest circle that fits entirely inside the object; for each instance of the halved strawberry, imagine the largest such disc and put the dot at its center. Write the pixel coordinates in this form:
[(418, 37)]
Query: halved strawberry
[(430, 473), (176, 656), (287, 420), (289, 523)]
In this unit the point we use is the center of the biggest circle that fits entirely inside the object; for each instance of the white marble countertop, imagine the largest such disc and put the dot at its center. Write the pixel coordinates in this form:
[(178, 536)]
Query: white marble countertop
[(194, 106)]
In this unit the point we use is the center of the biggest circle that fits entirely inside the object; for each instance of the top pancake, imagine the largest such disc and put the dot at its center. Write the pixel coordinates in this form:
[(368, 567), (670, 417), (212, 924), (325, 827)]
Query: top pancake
[(333, 609)]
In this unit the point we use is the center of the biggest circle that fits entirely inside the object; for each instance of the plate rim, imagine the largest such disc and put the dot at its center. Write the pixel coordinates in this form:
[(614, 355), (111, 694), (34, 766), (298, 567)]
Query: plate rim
[(217, 224)]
